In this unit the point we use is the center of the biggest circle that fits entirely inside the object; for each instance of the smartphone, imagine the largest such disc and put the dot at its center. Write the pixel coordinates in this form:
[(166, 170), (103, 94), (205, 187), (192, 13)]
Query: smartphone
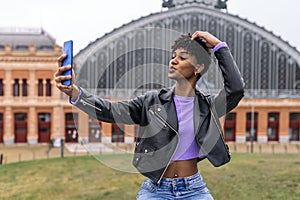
[(68, 49)]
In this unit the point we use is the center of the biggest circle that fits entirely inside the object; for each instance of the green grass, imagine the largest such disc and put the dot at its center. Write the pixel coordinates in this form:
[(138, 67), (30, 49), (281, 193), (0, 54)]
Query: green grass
[(247, 176)]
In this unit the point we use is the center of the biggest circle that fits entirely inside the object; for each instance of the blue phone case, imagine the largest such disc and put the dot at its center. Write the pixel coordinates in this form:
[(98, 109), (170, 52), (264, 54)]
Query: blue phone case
[(68, 49)]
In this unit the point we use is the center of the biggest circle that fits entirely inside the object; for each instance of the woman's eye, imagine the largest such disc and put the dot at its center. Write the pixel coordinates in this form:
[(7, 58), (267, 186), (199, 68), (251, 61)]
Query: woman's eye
[(182, 58), (172, 57)]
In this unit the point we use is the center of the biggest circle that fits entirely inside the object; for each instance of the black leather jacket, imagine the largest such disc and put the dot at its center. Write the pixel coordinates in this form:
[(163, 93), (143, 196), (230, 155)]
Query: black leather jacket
[(156, 114)]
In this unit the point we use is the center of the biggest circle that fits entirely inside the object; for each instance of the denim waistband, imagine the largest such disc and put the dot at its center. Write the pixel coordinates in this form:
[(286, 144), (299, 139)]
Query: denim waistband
[(184, 181)]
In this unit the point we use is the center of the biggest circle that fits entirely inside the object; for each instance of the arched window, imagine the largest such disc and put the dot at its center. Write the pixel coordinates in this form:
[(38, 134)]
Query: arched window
[(40, 87), (194, 23), (24, 87), (16, 88), (247, 68), (213, 26), (230, 36), (265, 64), (48, 87), (176, 24), (1, 87), (282, 68)]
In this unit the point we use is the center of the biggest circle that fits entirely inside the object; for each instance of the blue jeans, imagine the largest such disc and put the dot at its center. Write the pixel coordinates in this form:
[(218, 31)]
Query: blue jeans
[(187, 188)]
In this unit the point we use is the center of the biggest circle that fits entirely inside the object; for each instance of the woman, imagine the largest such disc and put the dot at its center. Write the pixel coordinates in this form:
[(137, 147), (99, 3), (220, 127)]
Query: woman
[(179, 126)]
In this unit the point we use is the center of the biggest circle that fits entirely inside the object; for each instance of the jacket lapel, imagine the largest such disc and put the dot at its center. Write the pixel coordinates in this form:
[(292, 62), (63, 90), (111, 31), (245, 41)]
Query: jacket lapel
[(201, 111), (166, 98)]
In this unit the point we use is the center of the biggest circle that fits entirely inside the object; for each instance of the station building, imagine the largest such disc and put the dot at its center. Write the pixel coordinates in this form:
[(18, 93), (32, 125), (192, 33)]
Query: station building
[(133, 59), (32, 110)]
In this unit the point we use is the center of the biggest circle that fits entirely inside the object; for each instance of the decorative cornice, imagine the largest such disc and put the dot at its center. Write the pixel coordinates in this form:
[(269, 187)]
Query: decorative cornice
[(28, 59)]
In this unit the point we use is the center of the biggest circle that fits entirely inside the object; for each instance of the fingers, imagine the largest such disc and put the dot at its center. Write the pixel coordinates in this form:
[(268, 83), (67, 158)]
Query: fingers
[(58, 77), (202, 34), (64, 68), (60, 59), (211, 41), (64, 88), (60, 70)]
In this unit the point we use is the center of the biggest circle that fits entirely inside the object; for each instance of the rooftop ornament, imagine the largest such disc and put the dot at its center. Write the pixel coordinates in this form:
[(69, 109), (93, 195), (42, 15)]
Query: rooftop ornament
[(217, 4)]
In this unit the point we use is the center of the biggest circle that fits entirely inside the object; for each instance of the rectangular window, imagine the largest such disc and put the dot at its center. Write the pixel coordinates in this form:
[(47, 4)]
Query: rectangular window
[(24, 88), (48, 87), (136, 132), (72, 117), (40, 87), (1, 87), (95, 129), (16, 88), (21, 48), (44, 127), (251, 126), (294, 128), (20, 127), (71, 134), (117, 133), (273, 126), (229, 127)]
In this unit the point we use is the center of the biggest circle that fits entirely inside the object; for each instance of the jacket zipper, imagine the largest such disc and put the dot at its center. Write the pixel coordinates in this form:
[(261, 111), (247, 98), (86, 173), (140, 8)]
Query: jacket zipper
[(164, 123), (85, 102)]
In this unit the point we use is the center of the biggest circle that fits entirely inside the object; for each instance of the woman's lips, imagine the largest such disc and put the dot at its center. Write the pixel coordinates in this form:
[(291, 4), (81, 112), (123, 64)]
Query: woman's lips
[(172, 69)]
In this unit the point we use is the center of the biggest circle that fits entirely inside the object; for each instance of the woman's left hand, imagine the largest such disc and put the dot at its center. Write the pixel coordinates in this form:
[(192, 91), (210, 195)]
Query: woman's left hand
[(211, 41)]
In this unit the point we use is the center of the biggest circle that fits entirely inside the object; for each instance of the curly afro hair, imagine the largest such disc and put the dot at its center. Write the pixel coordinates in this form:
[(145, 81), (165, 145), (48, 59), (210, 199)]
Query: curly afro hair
[(196, 47)]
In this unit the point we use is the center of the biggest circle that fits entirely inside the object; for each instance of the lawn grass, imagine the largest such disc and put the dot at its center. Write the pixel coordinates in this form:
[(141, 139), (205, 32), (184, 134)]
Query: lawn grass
[(247, 176)]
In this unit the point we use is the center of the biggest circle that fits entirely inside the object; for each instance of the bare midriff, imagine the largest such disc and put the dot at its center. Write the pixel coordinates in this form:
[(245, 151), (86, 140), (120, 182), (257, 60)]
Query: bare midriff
[(181, 168)]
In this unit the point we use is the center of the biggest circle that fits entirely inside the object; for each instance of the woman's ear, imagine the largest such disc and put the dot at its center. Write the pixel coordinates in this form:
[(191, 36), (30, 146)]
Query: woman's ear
[(199, 68)]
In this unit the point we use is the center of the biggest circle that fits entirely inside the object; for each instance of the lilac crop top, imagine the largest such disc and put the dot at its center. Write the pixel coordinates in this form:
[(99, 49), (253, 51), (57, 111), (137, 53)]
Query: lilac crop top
[(187, 147)]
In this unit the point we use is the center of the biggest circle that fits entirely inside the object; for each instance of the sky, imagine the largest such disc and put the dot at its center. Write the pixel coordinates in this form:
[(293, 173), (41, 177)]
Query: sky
[(84, 21)]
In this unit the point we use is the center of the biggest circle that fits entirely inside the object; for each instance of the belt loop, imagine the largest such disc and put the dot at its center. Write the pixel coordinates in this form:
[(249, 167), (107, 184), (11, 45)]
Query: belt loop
[(186, 183)]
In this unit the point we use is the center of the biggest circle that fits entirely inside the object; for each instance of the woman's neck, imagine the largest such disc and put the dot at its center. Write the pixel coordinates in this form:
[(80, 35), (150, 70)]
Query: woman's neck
[(185, 89)]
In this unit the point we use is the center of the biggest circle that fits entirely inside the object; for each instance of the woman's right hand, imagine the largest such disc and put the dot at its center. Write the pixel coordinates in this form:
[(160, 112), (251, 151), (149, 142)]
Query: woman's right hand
[(211, 40), (71, 90)]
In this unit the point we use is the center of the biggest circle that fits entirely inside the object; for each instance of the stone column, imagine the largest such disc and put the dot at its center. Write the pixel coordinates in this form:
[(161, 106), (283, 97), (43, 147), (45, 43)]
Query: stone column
[(32, 83), (106, 132), (8, 85), (32, 136), (129, 134), (284, 125), (240, 125), (58, 122), (262, 128), (8, 126), (83, 125)]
